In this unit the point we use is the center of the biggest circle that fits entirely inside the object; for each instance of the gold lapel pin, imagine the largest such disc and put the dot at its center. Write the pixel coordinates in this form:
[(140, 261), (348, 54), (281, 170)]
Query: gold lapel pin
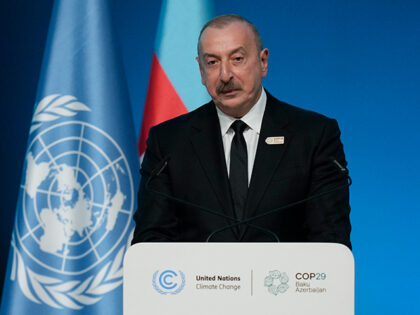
[(274, 140)]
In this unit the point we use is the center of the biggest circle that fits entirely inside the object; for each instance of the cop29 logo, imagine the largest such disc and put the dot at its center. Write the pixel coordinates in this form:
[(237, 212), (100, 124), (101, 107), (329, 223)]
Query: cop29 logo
[(168, 281), (76, 204), (276, 282)]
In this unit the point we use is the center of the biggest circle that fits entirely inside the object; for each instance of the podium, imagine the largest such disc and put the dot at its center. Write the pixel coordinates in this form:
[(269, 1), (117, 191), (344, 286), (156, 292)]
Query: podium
[(238, 278)]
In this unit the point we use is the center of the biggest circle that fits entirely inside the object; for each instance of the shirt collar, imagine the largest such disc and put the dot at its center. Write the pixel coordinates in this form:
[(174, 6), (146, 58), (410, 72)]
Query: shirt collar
[(253, 118)]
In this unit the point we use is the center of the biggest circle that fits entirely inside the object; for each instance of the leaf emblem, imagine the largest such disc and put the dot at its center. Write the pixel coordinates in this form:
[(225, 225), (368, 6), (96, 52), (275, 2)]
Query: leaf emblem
[(72, 294), (55, 106)]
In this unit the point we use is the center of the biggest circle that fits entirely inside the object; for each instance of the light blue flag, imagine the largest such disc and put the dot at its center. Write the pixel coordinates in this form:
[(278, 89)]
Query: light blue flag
[(74, 214)]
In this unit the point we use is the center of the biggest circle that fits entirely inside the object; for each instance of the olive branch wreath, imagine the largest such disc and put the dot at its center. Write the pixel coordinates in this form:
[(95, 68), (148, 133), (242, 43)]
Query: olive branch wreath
[(53, 107), (159, 290), (72, 294)]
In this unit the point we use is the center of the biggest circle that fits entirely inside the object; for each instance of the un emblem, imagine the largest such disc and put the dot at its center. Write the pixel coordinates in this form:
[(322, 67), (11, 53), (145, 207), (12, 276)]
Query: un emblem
[(77, 201), (168, 281)]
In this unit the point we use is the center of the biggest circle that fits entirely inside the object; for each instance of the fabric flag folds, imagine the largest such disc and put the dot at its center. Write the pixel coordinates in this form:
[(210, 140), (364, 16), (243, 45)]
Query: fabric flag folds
[(74, 213), (175, 84)]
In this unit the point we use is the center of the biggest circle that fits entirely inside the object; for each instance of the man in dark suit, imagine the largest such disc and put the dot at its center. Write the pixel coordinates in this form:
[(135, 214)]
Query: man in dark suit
[(242, 155)]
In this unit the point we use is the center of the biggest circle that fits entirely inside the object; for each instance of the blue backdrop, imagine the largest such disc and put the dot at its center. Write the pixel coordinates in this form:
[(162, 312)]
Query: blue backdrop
[(354, 60)]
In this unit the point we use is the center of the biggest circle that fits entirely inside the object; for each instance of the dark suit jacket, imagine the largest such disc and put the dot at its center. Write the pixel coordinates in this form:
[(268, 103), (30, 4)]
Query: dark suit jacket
[(282, 174)]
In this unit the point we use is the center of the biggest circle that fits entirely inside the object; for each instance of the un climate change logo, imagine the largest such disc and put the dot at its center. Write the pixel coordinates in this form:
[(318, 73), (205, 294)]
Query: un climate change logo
[(77, 203), (168, 281)]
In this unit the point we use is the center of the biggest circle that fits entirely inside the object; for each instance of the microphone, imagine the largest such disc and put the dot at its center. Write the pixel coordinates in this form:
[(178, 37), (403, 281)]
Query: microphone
[(342, 168), (237, 222), (159, 168)]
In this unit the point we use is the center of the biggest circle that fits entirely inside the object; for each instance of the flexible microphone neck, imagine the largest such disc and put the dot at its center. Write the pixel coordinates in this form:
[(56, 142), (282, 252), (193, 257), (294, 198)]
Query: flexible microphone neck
[(161, 167), (157, 171), (348, 183), (237, 222), (272, 211)]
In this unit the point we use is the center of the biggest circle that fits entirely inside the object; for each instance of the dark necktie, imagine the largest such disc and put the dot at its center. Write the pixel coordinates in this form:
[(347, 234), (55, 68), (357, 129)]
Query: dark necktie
[(238, 173)]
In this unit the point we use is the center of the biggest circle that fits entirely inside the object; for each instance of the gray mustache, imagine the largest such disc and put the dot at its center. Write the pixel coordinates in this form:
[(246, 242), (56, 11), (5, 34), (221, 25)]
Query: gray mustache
[(225, 87)]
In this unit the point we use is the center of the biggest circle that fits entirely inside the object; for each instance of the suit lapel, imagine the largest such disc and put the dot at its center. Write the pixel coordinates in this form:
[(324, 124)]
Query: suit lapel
[(268, 156), (207, 142)]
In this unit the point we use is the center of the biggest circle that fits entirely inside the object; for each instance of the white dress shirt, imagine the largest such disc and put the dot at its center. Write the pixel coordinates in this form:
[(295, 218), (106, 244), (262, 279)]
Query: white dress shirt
[(251, 134)]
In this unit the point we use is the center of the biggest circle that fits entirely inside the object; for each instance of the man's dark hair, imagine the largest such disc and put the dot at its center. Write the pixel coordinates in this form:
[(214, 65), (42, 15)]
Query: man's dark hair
[(222, 21)]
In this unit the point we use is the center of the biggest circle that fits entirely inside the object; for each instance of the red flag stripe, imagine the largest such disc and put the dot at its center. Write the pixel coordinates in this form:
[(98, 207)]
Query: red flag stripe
[(162, 102)]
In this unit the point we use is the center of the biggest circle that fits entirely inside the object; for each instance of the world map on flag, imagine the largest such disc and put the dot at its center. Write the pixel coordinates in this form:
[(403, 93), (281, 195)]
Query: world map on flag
[(76, 205)]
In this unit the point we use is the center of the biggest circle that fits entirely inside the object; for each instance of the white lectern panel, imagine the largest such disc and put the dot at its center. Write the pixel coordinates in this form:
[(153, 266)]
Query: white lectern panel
[(239, 278)]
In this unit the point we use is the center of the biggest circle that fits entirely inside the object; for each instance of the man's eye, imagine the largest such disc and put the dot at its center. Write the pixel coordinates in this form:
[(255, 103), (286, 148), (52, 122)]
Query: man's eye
[(211, 62), (238, 59)]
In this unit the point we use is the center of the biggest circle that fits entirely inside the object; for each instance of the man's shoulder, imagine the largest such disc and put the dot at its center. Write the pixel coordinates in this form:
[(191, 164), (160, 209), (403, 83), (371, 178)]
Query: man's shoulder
[(303, 118), (183, 122)]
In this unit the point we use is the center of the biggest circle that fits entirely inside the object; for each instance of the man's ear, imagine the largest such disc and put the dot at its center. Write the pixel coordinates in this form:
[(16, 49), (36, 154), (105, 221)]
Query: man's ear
[(264, 61), (203, 82)]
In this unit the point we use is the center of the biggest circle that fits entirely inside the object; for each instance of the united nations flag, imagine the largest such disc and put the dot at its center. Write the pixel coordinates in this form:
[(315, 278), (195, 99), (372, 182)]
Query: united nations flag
[(77, 197)]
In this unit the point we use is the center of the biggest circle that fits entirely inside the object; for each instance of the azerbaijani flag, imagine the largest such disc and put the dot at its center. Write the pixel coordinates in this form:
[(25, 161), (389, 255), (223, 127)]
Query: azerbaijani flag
[(175, 84)]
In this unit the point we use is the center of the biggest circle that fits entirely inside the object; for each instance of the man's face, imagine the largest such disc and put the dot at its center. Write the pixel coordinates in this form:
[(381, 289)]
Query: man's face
[(232, 67)]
